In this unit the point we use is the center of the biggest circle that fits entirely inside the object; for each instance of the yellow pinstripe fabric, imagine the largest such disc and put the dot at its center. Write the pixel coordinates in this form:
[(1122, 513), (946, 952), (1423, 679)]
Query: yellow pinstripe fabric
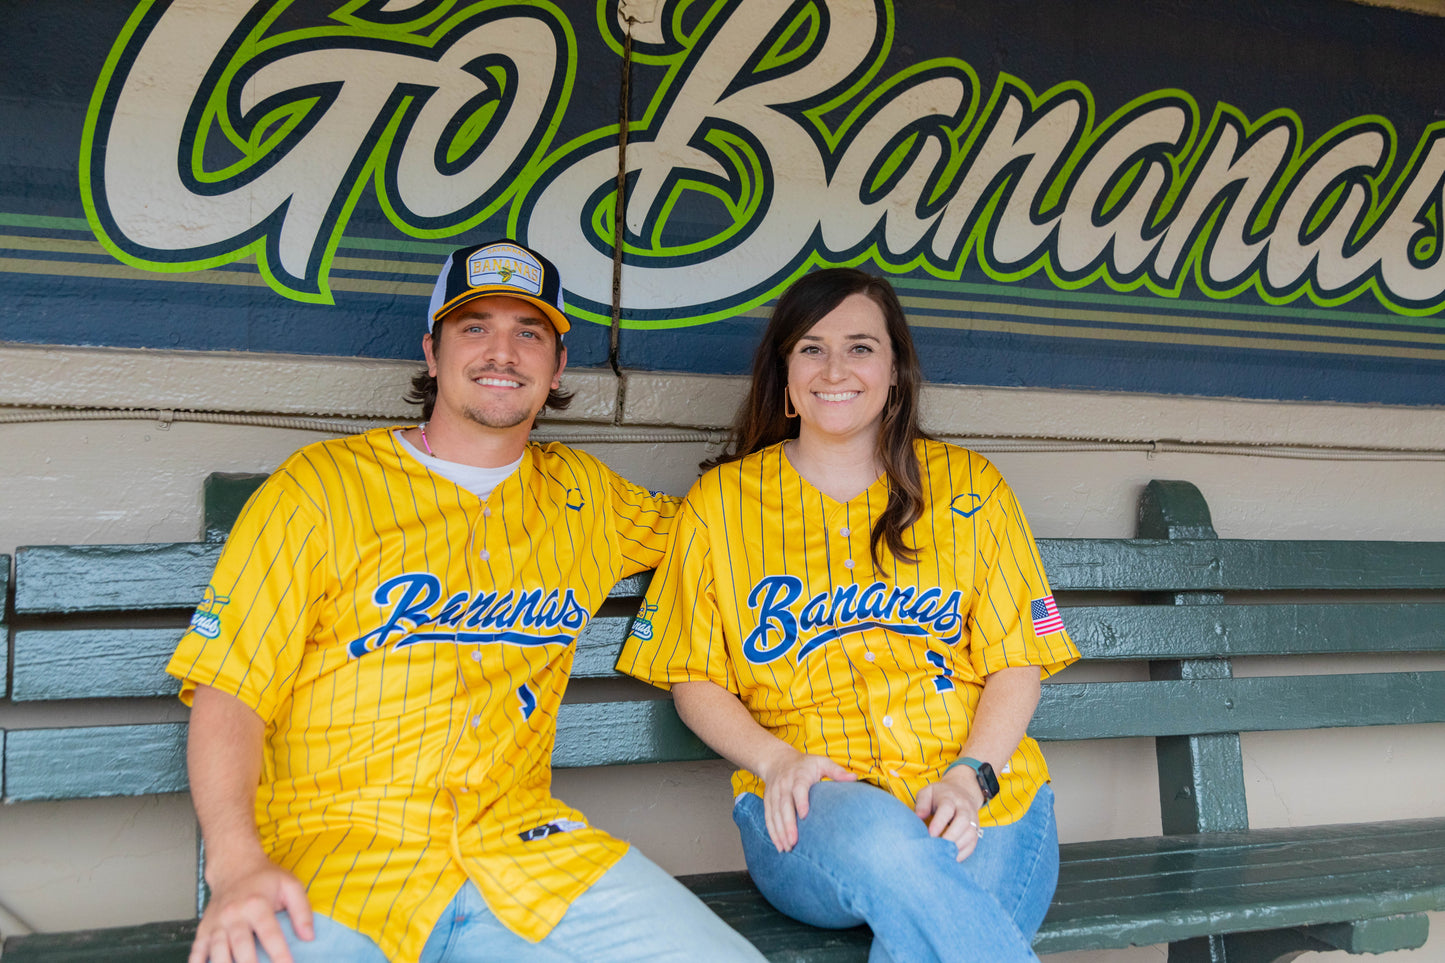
[(393, 775), (769, 590)]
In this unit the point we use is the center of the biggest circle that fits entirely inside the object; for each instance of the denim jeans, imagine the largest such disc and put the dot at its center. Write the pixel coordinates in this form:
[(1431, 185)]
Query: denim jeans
[(634, 912), (864, 856)]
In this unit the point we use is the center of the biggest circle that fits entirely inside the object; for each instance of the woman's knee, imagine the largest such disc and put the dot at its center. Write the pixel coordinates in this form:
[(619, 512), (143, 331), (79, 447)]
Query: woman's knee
[(864, 829), (1019, 863), (795, 883), (855, 841)]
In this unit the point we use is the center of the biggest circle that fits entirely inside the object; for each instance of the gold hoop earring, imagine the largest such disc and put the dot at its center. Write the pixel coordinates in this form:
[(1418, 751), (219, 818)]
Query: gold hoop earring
[(788, 410)]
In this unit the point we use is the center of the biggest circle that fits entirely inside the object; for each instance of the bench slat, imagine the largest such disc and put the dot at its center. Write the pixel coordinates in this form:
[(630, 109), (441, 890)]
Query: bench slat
[(93, 663), (733, 896), (1374, 936), (1216, 565), (631, 587), (1113, 710), (1117, 632), (168, 942), (1162, 863), (67, 579), (95, 761), (598, 645), (614, 733), (1172, 888)]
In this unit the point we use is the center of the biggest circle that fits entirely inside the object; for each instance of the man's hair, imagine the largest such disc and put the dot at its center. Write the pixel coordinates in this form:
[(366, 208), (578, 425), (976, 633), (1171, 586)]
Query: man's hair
[(424, 385), (761, 420)]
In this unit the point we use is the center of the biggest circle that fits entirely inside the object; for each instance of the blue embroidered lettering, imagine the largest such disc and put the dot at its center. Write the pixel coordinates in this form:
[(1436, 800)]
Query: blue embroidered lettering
[(420, 590), (477, 611), (870, 603), (453, 611), (847, 610), (898, 599), (926, 605), (815, 613), (780, 591), (534, 614), (949, 623), (843, 607)]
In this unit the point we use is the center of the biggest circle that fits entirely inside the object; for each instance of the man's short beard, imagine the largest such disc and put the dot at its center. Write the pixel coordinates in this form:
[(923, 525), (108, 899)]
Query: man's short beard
[(481, 417)]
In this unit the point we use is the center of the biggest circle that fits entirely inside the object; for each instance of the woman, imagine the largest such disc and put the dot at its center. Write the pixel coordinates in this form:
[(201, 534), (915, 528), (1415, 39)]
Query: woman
[(856, 616)]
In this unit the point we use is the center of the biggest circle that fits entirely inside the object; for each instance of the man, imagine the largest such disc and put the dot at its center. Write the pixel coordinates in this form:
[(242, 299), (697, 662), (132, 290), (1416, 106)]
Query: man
[(375, 688)]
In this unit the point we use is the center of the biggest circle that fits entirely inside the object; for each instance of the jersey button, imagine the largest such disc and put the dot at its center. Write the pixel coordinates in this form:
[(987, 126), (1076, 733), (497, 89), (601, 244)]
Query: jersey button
[(847, 563), (888, 722), (484, 554), (486, 513), (869, 656), (476, 656), (893, 773), (845, 532), (476, 721)]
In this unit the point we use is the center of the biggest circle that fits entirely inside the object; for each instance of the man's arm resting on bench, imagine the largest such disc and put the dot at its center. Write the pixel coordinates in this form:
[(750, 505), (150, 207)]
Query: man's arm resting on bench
[(247, 889)]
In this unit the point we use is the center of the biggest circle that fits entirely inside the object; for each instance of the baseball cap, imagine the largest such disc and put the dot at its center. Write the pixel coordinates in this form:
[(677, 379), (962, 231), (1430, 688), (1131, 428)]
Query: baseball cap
[(498, 267)]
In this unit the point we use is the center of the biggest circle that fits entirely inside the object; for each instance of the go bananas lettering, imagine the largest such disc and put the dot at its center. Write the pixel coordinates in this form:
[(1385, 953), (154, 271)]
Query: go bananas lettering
[(214, 133), (778, 115)]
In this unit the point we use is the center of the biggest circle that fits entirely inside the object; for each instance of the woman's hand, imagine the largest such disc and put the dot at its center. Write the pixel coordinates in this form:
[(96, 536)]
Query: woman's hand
[(951, 807), (787, 776)]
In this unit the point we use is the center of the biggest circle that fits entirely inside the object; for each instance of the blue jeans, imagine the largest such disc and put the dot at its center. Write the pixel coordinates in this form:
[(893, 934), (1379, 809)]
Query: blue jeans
[(864, 856), (634, 912)]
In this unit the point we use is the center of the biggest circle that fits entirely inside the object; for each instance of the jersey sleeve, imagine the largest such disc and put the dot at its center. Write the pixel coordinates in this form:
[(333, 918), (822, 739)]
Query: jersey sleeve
[(677, 635), (642, 520), (249, 632), (1015, 620)]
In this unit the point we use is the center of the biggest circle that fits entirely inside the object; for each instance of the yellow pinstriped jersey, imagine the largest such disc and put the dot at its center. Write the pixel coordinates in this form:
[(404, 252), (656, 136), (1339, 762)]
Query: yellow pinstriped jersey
[(770, 591), (407, 645)]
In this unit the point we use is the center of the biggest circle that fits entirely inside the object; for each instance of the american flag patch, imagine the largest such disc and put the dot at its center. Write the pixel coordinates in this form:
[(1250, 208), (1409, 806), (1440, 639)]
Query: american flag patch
[(1046, 616)]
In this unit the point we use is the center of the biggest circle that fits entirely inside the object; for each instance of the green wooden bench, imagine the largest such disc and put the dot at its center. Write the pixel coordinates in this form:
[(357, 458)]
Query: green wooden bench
[(1212, 887)]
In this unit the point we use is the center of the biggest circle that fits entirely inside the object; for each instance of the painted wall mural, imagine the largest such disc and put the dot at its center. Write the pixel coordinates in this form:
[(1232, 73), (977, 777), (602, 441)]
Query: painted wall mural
[(1162, 195)]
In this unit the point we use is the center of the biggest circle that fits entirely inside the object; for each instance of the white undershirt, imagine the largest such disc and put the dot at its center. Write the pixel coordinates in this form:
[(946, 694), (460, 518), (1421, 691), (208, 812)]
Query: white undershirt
[(478, 481)]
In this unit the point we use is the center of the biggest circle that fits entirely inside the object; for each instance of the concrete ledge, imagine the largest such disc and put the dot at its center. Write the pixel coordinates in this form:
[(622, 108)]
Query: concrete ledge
[(983, 412), (238, 381)]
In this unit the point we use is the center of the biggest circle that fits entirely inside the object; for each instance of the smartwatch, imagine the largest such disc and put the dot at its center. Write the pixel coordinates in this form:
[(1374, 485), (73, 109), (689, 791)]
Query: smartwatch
[(987, 781)]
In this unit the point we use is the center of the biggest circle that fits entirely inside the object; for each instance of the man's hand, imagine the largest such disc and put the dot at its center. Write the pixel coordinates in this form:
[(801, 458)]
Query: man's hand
[(789, 777), (242, 911), (951, 807)]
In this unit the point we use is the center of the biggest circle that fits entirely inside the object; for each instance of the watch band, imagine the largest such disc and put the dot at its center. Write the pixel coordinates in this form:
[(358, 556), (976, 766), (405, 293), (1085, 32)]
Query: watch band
[(987, 781)]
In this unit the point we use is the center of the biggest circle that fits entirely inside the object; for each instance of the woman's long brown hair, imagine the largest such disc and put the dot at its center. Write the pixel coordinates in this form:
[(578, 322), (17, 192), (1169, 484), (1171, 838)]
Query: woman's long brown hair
[(761, 420)]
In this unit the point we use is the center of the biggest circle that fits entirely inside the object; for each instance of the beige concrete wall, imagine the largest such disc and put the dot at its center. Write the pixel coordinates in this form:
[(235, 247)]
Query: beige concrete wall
[(1271, 470)]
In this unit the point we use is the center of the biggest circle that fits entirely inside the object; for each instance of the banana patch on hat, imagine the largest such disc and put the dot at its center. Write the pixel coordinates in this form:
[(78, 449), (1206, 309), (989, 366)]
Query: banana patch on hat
[(499, 267)]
